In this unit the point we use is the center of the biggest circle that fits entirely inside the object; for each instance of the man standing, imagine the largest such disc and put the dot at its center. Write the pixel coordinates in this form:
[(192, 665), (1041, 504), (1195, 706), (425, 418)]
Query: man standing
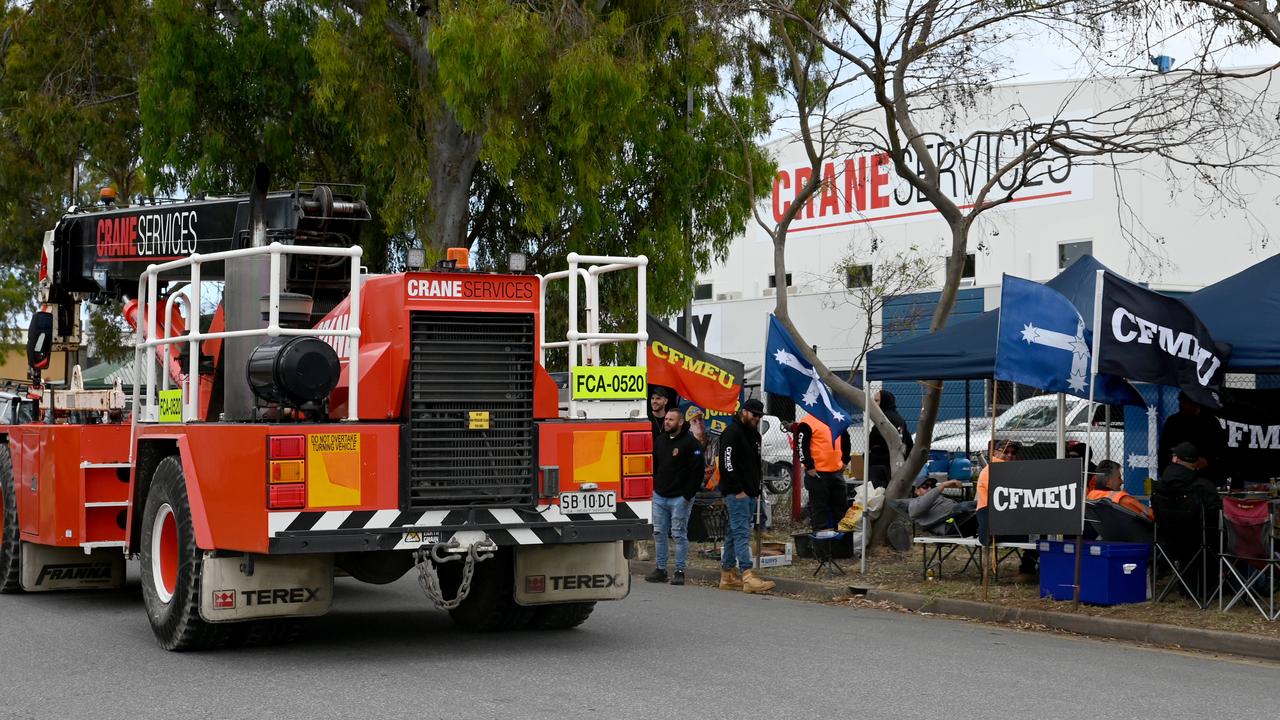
[(824, 465), (1195, 425), (659, 401), (740, 475), (878, 461), (677, 475)]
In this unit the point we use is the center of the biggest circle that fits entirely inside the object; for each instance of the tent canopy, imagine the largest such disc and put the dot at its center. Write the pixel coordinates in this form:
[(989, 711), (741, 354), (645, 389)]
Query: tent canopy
[(967, 350), (1252, 332)]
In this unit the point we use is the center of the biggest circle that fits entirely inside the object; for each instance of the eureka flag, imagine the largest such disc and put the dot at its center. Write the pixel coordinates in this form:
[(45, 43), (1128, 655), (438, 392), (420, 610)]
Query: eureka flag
[(786, 372), (1043, 343)]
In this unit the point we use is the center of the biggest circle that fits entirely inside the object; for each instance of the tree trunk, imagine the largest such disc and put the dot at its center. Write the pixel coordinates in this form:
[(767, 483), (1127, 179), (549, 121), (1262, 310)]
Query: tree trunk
[(451, 167)]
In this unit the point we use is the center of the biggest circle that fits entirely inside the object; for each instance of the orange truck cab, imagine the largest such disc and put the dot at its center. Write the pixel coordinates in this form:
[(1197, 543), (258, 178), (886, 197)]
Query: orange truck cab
[(321, 421)]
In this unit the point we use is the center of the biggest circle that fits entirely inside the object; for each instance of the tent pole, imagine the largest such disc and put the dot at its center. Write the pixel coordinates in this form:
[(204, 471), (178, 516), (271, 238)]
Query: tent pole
[(1088, 446), (866, 465)]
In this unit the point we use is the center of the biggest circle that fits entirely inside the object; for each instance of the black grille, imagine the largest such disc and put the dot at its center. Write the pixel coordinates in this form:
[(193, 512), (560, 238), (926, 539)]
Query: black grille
[(464, 363)]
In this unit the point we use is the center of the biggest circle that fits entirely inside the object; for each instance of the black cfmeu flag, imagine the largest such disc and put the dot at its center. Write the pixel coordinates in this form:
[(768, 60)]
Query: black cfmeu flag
[(1154, 338)]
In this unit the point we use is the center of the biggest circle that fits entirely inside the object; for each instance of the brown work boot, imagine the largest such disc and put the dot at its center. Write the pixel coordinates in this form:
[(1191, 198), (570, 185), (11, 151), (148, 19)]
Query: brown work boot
[(753, 583), (730, 580)]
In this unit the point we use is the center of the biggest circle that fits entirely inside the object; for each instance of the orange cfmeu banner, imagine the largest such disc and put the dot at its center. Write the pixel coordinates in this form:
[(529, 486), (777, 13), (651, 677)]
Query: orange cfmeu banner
[(700, 377)]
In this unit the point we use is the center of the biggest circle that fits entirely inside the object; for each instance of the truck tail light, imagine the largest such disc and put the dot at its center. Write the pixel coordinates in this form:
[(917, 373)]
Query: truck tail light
[(637, 442), (637, 465), (287, 496), (637, 488), (286, 472)]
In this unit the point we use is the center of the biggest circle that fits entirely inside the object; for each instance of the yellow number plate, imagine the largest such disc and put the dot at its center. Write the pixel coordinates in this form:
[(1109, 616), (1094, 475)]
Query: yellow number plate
[(171, 405), (608, 383)]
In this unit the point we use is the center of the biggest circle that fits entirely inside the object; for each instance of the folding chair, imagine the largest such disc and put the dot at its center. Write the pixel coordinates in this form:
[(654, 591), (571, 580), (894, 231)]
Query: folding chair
[(1247, 559), (1180, 545), (1116, 523)]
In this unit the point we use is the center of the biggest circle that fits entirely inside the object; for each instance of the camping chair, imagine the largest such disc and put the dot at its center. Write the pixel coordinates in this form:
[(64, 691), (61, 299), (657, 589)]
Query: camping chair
[(1115, 523), (934, 548), (1247, 560), (1181, 546), (821, 542)]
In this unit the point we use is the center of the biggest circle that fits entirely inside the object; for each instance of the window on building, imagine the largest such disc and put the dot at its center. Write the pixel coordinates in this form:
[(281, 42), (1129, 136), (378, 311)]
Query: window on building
[(702, 291), (858, 276), (773, 280), (970, 266), (1069, 252)]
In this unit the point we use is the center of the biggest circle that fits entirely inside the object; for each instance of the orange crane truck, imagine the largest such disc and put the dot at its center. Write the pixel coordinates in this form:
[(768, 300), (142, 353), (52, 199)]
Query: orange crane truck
[(293, 417)]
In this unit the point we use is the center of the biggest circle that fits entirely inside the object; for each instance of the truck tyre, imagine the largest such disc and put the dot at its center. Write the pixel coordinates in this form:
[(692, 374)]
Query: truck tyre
[(171, 565), (491, 605), (10, 542), (563, 616)]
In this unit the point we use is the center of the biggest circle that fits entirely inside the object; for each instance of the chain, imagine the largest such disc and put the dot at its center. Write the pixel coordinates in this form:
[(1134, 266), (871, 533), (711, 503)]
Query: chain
[(428, 557)]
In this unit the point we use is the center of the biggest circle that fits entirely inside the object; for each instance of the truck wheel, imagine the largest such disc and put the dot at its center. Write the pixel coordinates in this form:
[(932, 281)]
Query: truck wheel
[(562, 616), (491, 605), (171, 565), (10, 543)]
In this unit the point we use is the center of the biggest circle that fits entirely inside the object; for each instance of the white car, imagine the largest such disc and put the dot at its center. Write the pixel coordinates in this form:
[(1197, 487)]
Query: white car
[(775, 450), (1033, 423)]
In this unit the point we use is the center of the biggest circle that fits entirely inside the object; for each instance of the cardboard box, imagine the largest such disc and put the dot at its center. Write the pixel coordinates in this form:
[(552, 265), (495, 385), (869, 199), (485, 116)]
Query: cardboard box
[(775, 554)]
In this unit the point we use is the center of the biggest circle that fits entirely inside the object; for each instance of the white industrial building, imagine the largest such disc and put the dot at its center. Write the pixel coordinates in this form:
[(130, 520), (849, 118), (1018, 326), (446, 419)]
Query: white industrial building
[(1136, 219)]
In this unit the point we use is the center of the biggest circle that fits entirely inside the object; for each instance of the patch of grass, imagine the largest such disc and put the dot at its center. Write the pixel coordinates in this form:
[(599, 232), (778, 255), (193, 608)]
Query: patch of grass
[(891, 570)]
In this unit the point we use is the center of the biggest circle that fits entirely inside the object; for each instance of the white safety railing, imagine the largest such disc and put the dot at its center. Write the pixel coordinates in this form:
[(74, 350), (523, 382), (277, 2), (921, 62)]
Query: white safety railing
[(145, 335), (591, 340)]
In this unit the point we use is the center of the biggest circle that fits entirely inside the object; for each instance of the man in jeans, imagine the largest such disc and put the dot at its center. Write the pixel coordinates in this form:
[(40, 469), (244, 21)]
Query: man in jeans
[(677, 475), (740, 474)]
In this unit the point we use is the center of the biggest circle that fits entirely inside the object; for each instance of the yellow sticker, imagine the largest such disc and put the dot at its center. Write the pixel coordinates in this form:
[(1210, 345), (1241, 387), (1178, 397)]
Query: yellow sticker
[(608, 383), (478, 420), (333, 470), (171, 405)]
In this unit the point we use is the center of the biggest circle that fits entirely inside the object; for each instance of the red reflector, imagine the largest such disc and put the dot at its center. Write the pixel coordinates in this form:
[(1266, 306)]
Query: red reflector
[(637, 488), (637, 442), (281, 497), (287, 447), (44, 265)]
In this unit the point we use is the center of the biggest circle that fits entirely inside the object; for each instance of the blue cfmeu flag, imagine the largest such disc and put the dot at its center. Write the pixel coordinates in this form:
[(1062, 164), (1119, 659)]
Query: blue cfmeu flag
[(1043, 343), (786, 372)]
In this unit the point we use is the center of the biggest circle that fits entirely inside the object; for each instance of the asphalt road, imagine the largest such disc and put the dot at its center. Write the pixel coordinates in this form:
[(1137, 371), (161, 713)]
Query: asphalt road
[(665, 652)]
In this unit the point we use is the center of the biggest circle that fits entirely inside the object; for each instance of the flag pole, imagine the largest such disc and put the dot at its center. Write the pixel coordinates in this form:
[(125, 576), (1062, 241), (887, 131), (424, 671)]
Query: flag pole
[(866, 464), (989, 550), (1088, 446)]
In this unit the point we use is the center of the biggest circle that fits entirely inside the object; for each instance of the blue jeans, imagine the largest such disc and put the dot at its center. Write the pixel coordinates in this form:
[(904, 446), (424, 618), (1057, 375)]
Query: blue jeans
[(737, 540), (671, 519)]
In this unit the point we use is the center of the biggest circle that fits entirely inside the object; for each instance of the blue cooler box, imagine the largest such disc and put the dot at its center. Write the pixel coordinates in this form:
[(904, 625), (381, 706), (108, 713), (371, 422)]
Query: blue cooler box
[(1111, 573)]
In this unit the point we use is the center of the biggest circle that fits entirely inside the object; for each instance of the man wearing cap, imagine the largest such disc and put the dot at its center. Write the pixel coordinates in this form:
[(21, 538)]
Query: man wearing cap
[(1196, 426), (740, 475), (930, 507), (1187, 504)]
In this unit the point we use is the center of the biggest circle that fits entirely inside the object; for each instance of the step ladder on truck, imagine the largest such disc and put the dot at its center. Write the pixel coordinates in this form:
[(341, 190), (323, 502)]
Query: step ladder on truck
[(312, 420)]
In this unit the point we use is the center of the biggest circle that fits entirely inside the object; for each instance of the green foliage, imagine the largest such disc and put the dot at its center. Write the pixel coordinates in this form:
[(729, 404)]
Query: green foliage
[(68, 120)]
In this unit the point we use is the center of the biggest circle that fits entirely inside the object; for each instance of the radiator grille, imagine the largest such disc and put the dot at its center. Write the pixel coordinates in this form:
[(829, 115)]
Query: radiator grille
[(463, 363)]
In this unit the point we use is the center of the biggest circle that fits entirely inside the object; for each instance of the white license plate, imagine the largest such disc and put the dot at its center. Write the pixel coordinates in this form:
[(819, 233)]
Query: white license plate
[(588, 502)]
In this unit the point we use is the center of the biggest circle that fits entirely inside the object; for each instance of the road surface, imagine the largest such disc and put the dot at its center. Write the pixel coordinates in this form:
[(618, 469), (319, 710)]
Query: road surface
[(665, 652)]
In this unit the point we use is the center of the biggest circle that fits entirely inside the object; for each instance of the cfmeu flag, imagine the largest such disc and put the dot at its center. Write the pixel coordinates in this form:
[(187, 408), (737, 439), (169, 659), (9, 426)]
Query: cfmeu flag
[(700, 377), (1043, 343), (1158, 339), (786, 372)]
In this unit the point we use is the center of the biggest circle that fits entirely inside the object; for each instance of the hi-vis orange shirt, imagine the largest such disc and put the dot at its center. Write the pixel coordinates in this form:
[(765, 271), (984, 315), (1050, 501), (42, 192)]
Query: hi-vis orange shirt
[(825, 453), (1124, 500), (983, 479)]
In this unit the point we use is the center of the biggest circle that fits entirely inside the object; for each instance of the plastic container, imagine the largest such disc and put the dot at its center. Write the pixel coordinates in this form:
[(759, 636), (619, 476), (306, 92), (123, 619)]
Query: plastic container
[(1111, 573), (961, 469)]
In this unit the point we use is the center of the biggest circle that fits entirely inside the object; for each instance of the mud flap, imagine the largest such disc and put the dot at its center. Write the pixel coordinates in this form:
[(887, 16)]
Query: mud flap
[(246, 587), (68, 568), (582, 572)]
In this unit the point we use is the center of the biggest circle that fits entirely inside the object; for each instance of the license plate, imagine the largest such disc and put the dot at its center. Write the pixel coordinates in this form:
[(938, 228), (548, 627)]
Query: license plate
[(588, 502)]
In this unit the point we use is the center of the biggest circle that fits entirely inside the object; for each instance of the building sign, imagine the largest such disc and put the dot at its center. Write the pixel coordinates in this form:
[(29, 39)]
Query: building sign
[(1036, 497), (453, 286), (863, 188)]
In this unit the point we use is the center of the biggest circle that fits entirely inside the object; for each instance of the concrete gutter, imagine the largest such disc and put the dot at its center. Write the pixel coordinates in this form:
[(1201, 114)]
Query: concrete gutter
[(1214, 641)]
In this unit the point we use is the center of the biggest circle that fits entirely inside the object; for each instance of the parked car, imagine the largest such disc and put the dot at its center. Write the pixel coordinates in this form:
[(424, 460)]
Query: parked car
[(951, 428), (775, 450), (1033, 422)]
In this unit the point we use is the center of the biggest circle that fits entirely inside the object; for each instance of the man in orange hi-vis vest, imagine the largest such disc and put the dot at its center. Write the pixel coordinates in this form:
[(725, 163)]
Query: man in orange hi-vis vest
[(1108, 484), (824, 463)]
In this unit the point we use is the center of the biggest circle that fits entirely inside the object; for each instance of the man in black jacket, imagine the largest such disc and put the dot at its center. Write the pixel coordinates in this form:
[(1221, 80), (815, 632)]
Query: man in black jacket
[(740, 475), (1195, 425), (677, 475), (878, 461), (1186, 506)]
